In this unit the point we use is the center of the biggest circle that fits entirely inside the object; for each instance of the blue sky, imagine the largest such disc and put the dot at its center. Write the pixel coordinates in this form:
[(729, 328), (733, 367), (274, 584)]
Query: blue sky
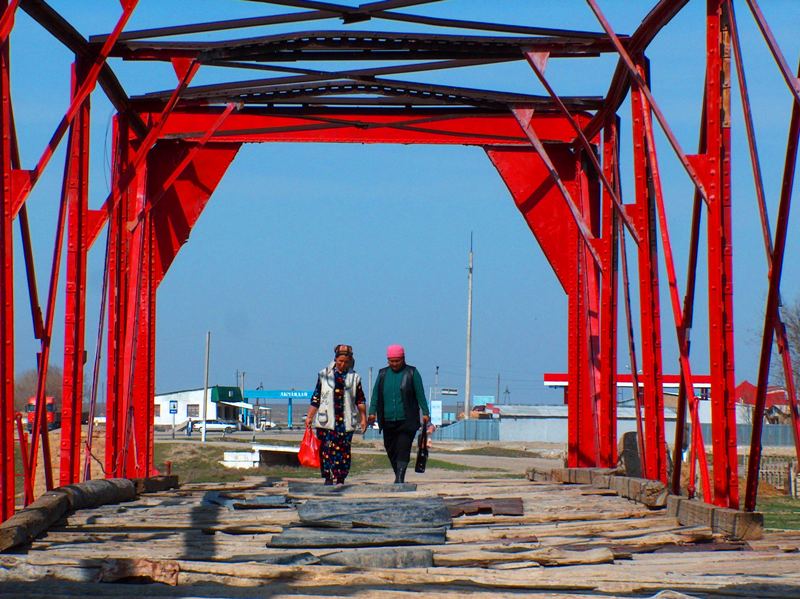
[(305, 246)]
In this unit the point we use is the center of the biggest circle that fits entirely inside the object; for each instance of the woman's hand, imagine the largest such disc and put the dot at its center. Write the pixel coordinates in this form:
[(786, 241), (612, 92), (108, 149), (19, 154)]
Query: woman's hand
[(310, 416), (363, 424)]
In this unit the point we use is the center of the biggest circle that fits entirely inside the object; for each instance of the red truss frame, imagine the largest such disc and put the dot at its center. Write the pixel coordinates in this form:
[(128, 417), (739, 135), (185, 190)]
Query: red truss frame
[(559, 157)]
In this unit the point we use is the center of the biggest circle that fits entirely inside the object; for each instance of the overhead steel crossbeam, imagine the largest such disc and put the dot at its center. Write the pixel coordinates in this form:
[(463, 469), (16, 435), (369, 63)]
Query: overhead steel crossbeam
[(359, 45), (449, 51), (402, 93), (359, 87)]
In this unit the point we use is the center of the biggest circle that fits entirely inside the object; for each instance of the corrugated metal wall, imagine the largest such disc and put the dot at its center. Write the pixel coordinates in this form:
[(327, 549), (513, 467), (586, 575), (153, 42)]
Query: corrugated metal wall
[(773, 435), (463, 430)]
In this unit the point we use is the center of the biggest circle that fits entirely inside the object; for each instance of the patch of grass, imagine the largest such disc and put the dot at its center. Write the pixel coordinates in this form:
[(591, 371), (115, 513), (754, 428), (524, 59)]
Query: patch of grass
[(780, 512), (195, 462)]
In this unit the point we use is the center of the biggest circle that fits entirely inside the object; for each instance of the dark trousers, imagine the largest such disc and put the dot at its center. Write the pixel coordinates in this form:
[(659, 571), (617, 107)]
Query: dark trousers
[(397, 440)]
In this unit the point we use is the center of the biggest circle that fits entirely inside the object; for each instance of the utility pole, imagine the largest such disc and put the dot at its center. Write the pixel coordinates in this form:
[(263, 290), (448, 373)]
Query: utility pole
[(369, 387), (497, 394), (205, 387), (468, 384)]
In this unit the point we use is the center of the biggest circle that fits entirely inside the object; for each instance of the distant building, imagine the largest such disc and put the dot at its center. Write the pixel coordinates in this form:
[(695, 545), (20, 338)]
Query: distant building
[(224, 403), (549, 422), (776, 407)]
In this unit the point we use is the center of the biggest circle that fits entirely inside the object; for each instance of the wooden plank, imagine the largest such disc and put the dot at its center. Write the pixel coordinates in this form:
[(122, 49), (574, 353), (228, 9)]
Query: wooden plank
[(356, 537), (547, 556), (391, 512), (156, 484), (734, 523)]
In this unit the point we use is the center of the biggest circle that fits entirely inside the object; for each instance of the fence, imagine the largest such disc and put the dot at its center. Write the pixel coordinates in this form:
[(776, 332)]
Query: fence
[(463, 430), (772, 435)]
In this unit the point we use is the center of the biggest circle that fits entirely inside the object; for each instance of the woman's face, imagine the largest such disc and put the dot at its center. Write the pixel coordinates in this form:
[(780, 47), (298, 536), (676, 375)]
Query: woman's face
[(341, 362)]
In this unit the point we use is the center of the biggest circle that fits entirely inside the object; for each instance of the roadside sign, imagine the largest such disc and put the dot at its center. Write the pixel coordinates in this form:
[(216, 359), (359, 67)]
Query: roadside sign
[(436, 412), (173, 406), (448, 391)]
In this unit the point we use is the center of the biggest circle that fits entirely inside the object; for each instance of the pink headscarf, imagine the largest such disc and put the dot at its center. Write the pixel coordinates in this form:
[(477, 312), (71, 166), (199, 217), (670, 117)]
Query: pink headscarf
[(395, 351)]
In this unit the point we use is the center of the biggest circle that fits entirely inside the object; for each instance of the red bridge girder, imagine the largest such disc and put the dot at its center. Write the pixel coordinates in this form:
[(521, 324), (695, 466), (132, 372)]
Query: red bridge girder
[(172, 148)]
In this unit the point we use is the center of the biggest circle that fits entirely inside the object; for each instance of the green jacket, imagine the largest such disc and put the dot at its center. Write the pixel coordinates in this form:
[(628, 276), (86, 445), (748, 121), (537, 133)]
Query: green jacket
[(389, 389)]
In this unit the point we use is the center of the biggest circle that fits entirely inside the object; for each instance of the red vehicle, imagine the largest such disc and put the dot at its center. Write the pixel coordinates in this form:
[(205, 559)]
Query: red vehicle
[(53, 418)]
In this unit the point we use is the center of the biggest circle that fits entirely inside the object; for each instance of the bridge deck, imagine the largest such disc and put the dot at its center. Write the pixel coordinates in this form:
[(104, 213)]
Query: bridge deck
[(570, 540)]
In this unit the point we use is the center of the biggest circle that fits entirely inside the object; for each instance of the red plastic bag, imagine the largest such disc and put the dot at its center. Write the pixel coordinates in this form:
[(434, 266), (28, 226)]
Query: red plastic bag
[(309, 450)]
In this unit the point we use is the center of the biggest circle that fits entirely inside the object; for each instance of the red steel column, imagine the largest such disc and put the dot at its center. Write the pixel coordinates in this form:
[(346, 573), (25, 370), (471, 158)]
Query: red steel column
[(608, 307), (117, 302), (143, 390), (6, 293), (136, 272), (75, 301), (590, 293), (720, 252), (649, 306)]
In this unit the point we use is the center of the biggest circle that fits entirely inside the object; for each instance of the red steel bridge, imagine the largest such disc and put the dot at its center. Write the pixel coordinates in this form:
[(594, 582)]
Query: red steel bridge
[(558, 155)]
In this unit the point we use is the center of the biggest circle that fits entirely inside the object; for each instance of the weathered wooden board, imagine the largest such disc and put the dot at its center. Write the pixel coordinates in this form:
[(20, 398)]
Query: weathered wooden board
[(508, 506), (368, 489), (357, 537), (429, 512)]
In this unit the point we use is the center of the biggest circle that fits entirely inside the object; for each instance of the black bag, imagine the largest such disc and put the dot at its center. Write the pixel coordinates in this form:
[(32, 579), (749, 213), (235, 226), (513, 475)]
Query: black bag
[(422, 450)]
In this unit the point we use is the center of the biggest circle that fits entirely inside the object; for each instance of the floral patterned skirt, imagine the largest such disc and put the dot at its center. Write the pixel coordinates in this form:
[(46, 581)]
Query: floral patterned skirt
[(334, 454)]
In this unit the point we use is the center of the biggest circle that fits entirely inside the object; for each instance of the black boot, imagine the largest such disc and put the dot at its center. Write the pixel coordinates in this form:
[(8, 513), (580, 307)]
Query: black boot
[(400, 474)]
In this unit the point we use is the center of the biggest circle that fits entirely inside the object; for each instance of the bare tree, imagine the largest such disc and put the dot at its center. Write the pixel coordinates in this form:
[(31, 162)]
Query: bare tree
[(791, 319)]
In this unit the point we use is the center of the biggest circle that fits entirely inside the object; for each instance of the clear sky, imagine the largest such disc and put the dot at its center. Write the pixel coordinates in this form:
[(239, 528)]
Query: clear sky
[(305, 246)]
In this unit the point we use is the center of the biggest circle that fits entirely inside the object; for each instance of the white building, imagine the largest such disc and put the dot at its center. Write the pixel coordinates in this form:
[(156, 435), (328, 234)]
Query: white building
[(223, 403)]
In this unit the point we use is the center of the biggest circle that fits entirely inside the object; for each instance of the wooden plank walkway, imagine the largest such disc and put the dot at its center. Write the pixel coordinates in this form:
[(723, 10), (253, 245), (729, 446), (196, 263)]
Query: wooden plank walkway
[(570, 541)]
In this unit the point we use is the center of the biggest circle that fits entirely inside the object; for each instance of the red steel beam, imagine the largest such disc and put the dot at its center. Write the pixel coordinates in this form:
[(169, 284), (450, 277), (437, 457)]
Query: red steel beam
[(590, 314), (6, 291), (7, 20), (75, 297), (649, 304), (462, 127), (116, 262), (607, 412), (720, 249)]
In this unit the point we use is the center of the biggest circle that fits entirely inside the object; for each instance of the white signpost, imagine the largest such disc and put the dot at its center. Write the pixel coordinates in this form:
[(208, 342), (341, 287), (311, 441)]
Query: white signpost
[(173, 409), (436, 412)]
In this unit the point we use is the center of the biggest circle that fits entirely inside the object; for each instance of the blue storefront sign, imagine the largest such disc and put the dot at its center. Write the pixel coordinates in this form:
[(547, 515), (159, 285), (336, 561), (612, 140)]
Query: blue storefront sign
[(275, 394), (287, 395)]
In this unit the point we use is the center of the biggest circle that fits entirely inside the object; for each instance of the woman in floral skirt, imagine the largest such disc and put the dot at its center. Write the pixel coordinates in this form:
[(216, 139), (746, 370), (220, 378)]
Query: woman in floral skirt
[(338, 408)]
